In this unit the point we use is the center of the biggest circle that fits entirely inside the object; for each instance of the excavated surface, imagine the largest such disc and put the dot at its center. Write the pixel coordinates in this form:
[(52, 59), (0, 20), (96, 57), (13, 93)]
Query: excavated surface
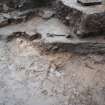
[(49, 26), (31, 76)]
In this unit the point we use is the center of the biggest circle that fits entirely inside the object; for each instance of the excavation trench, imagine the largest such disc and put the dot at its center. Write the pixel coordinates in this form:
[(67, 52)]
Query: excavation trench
[(32, 75), (45, 21), (38, 65), (46, 31)]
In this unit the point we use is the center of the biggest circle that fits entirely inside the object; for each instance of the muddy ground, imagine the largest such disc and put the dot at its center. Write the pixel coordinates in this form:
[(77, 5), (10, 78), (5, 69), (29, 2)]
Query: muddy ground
[(31, 76)]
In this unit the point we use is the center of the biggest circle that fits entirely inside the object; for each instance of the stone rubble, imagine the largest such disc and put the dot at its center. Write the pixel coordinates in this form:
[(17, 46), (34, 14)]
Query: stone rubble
[(82, 21)]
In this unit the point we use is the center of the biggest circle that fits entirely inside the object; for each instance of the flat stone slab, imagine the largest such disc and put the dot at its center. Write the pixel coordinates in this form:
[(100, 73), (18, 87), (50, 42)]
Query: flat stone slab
[(82, 20)]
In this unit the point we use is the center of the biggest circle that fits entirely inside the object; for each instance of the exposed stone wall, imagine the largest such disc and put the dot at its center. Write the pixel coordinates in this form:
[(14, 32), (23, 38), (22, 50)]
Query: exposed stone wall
[(69, 16), (80, 23)]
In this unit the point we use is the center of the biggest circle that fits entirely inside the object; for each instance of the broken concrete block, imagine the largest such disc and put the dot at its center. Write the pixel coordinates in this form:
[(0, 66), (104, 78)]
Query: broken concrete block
[(82, 20)]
